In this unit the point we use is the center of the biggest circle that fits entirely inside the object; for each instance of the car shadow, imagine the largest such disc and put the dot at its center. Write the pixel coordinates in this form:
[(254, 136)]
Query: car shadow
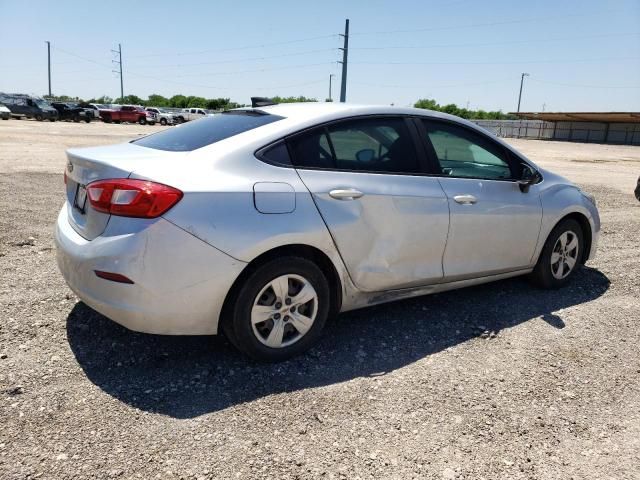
[(184, 377)]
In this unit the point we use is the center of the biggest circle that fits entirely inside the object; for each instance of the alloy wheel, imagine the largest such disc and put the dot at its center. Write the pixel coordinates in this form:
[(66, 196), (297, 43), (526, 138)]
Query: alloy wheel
[(564, 255)]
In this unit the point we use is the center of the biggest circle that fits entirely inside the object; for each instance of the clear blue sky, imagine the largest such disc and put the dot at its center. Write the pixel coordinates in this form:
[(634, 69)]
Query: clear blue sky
[(583, 55)]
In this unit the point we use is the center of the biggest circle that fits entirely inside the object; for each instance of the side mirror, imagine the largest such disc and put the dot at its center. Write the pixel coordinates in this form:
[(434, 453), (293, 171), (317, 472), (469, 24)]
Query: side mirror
[(530, 176), (365, 155)]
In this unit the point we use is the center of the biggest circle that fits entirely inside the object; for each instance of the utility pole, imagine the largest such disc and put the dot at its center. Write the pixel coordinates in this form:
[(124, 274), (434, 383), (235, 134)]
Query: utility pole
[(119, 62), (331, 75), (345, 53), (49, 64), (521, 82)]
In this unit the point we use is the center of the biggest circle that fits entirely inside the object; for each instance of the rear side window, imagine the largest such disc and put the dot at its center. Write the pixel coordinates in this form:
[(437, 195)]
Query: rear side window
[(206, 131), (312, 150)]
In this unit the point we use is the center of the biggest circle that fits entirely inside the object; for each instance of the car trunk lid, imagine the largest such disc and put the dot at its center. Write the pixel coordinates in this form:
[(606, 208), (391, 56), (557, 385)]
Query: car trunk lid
[(86, 165)]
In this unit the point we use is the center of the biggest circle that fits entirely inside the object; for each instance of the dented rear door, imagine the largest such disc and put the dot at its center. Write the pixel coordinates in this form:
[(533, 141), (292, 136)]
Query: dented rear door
[(390, 228)]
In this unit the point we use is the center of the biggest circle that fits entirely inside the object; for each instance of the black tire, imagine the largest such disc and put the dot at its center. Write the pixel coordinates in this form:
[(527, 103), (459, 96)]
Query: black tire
[(152, 123), (180, 119), (76, 119), (87, 119), (38, 117), (106, 119), (163, 121), (237, 324), (117, 121), (142, 121), (543, 273), (52, 119)]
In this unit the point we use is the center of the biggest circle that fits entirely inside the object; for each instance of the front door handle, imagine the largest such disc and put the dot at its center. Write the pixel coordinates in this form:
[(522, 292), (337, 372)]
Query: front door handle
[(465, 199), (345, 194)]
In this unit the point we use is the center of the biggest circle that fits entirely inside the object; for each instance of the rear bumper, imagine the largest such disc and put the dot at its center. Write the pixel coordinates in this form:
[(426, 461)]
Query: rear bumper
[(180, 282)]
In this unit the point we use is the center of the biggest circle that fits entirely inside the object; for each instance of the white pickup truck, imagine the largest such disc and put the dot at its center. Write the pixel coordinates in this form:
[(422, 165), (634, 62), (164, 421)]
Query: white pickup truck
[(188, 114), (165, 117)]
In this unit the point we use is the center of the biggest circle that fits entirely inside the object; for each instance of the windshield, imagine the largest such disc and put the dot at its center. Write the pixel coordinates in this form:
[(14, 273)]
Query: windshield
[(42, 103), (206, 131)]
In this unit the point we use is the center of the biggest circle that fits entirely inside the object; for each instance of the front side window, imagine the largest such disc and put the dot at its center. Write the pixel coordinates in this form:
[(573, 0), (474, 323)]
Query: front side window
[(463, 153), (368, 144), (205, 131)]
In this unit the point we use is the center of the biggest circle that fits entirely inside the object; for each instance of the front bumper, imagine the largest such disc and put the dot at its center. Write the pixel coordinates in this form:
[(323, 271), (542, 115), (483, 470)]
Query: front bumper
[(180, 282)]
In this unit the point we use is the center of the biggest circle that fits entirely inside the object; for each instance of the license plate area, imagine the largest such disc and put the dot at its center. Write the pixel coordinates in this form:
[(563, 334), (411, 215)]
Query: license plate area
[(80, 200)]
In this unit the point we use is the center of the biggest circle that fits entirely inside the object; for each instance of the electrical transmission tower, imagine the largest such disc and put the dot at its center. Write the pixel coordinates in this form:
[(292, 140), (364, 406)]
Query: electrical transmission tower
[(119, 70)]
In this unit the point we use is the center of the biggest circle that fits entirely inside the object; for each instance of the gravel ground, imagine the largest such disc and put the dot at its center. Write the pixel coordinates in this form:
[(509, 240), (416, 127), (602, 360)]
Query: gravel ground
[(500, 381)]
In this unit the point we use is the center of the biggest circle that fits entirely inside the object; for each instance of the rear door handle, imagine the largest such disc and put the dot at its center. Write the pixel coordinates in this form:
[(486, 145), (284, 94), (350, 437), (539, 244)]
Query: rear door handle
[(465, 199), (345, 194)]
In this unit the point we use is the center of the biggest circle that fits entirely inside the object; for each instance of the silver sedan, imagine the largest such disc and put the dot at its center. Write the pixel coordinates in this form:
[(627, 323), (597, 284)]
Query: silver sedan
[(263, 222)]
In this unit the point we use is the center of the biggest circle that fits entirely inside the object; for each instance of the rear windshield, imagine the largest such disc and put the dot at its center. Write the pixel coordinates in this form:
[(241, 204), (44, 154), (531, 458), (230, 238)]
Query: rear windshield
[(208, 130)]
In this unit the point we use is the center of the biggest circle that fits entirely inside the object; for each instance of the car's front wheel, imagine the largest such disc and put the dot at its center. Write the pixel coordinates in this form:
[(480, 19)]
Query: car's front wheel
[(163, 121), (560, 256), (280, 310)]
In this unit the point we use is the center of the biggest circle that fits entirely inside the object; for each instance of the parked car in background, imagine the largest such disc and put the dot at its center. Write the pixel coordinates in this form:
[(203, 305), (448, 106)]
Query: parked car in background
[(127, 113), (188, 114), (263, 222), (95, 108), (5, 113), (164, 117), (70, 111), (26, 106)]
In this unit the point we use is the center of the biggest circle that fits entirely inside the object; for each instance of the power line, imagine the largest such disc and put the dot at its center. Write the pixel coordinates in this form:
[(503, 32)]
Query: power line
[(511, 62), (266, 69), (219, 62), (577, 85), (449, 85), (502, 42), (481, 24), (233, 49)]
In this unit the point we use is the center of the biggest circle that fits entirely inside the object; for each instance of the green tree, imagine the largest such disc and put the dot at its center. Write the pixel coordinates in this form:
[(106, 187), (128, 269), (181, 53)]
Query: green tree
[(130, 100), (178, 101), (453, 109), (301, 98), (157, 100)]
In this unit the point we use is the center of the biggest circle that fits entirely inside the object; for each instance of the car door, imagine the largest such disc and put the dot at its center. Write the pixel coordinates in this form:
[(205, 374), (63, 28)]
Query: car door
[(127, 114), (494, 225), (388, 220)]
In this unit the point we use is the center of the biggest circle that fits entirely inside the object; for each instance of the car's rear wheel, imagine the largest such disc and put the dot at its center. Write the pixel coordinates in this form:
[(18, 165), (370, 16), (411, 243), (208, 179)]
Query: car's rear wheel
[(142, 121), (163, 121), (560, 256), (87, 119), (280, 310), (76, 119), (38, 117)]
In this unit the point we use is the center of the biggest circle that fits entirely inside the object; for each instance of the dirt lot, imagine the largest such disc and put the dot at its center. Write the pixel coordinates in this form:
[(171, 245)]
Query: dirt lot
[(501, 381)]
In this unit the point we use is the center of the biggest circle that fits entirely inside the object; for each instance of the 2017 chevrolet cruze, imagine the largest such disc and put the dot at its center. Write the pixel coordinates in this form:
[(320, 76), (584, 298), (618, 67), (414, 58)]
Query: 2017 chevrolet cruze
[(263, 222)]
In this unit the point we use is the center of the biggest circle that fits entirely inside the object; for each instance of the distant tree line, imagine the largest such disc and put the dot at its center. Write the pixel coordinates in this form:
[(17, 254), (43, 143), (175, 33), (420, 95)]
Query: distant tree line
[(182, 101), (155, 100), (453, 109)]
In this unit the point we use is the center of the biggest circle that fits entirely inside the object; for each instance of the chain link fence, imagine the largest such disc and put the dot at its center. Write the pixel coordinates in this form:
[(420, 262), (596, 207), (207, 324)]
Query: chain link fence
[(586, 132)]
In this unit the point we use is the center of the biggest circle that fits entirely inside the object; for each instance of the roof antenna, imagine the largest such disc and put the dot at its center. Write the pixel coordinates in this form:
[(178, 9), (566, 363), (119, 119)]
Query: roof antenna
[(261, 102)]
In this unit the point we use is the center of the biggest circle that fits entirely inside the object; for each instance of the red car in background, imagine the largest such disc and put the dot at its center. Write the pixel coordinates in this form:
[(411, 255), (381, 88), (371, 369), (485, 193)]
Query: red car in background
[(127, 113)]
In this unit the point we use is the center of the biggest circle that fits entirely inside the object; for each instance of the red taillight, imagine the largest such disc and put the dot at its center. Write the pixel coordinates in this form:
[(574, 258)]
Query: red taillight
[(132, 198)]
